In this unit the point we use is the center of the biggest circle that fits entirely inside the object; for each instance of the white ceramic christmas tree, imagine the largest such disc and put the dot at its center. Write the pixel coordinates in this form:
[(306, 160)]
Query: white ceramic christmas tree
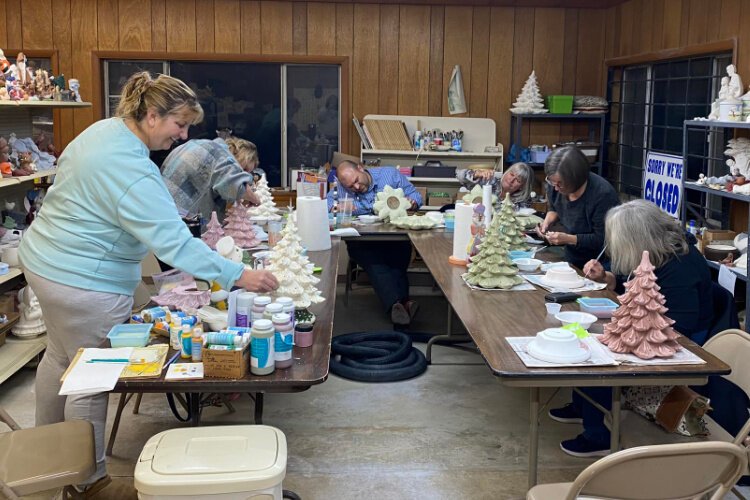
[(267, 208), (492, 266), (213, 233), (239, 227), (293, 269), (530, 99)]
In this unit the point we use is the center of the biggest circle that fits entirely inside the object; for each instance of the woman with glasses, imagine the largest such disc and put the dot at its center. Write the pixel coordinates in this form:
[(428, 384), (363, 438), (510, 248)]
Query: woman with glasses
[(578, 199), (515, 181)]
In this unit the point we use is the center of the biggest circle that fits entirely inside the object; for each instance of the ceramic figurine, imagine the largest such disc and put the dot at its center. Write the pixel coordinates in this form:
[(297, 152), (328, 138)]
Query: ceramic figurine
[(477, 231), (511, 229), (239, 227), (701, 179), (31, 322), (640, 326), (75, 88), (20, 71), (267, 208), (213, 232), (227, 249), (4, 63), (391, 204), (739, 150), (530, 99), (292, 268), (492, 267), (735, 83)]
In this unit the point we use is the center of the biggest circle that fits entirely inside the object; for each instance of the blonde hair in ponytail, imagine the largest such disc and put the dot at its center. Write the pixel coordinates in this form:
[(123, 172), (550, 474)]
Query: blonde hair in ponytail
[(165, 94)]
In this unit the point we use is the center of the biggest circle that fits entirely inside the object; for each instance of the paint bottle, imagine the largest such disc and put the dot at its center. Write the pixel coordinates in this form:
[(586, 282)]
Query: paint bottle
[(262, 360), (186, 342), (288, 304), (223, 338), (283, 338), (271, 309), (175, 330), (303, 335), (197, 349), (243, 310), (259, 306)]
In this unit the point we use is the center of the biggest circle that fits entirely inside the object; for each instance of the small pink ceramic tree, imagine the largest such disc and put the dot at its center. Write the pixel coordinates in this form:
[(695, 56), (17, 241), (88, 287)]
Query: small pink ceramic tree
[(214, 232), (238, 226), (639, 325)]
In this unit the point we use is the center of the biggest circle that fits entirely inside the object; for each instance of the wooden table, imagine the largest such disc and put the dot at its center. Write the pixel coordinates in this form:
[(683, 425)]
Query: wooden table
[(310, 364), (490, 317)]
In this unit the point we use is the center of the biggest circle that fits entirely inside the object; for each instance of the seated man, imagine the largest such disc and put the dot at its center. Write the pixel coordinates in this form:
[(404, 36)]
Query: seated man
[(384, 261), (203, 175)]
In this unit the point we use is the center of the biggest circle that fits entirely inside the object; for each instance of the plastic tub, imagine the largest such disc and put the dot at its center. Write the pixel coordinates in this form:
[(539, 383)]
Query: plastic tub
[(130, 335), (560, 104), (569, 317), (601, 308), (520, 254)]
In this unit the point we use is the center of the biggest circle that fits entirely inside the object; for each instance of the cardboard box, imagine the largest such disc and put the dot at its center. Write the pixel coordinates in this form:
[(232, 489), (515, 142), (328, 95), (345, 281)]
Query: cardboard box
[(423, 193), (439, 198), (226, 364), (711, 235)]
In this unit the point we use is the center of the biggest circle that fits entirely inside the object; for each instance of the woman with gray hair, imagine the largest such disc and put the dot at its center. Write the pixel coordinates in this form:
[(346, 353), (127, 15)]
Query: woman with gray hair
[(578, 199), (515, 181), (684, 279)]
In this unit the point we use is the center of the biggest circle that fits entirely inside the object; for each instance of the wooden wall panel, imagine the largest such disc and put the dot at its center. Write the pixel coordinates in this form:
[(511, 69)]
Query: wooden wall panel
[(134, 25), (158, 25), (62, 42), (500, 74), (181, 34), (729, 23), (437, 35), (108, 31), (591, 77), (627, 19), (657, 11), (743, 49), (365, 65), (83, 14), (251, 33), (3, 25), (276, 28), (345, 48), (672, 20), (388, 49), (548, 57), (13, 20), (457, 50), (299, 28), (414, 60), (36, 16), (208, 33), (227, 26), (321, 28), (479, 61), (643, 26), (569, 65), (523, 55)]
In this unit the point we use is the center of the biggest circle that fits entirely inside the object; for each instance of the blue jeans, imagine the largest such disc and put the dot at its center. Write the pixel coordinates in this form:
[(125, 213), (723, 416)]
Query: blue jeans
[(593, 420), (385, 263)]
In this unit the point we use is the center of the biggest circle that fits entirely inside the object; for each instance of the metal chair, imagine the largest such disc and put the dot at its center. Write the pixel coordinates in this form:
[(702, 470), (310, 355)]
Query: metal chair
[(659, 472), (45, 457)]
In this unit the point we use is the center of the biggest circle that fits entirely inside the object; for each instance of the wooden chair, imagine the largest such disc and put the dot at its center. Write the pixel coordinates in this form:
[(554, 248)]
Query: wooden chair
[(45, 457), (659, 472)]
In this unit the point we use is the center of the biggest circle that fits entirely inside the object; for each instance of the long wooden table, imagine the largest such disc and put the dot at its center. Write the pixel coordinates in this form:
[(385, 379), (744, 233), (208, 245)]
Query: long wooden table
[(310, 364), (490, 317)]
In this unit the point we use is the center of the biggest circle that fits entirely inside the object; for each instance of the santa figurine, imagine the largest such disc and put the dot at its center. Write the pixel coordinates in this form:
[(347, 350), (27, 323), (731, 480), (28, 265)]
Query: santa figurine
[(21, 72)]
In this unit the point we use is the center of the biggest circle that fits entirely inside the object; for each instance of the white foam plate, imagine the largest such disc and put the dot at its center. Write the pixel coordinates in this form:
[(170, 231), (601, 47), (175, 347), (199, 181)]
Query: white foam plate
[(569, 284), (581, 355)]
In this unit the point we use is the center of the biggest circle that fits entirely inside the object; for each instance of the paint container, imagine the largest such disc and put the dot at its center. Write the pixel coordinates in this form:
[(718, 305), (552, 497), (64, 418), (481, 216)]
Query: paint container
[(303, 335), (288, 308), (259, 306), (262, 361), (223, 338), (175, 331), (197, 348), (271, 309), (243, 310), (186, 343), (283, 340)]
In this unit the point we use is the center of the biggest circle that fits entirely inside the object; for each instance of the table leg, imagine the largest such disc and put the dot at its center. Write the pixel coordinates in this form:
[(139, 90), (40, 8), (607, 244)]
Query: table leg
[(258, 408), (614, 440), (124, 399), (194, 400), (533, 435)]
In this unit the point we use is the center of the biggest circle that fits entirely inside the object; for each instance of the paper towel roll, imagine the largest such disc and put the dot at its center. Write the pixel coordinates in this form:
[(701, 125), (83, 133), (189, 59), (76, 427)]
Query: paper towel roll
[(462, 230), (487, 202), (312, 221)]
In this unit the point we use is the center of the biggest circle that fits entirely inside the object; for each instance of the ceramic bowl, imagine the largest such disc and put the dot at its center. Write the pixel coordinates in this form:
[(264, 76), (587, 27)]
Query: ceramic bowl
[(583, 319), (436, 216), (563, 276), (528, 265), (712, 252), (368, 219), (557, 345)]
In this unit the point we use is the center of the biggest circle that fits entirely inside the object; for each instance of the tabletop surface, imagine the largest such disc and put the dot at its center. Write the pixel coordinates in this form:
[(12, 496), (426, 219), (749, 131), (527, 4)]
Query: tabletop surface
[(490, 316), (310, 363)]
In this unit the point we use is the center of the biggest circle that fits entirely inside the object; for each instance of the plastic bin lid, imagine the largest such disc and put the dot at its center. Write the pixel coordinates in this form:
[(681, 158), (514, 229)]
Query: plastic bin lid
[(212, 460)]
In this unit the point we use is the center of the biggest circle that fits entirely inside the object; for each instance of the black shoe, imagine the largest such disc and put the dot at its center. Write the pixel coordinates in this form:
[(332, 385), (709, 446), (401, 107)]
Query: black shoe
[(568, 414), (583, 448), (399, 314)]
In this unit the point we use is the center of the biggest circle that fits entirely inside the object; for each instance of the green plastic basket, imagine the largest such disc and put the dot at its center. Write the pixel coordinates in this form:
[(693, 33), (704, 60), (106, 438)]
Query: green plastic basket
[(560, 104)]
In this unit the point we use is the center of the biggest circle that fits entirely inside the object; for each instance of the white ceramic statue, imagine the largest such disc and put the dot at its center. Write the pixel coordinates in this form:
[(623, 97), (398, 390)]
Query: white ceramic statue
[(735, 83), (31, 322), (739, 150)]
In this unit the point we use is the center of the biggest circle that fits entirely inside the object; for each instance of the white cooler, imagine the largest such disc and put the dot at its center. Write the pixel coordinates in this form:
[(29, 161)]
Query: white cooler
[(237, 462)]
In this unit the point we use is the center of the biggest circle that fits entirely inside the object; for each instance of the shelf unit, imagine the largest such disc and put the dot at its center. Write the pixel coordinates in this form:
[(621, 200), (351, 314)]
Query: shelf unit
[(595, 121), (701, 209), (18, 117)]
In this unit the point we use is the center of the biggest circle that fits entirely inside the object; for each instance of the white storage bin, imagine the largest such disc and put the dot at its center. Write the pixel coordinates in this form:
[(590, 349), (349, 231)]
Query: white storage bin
[(238, 462)]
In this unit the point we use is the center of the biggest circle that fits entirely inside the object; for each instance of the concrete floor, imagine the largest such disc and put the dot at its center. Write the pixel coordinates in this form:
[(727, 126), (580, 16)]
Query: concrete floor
[(454, 432)]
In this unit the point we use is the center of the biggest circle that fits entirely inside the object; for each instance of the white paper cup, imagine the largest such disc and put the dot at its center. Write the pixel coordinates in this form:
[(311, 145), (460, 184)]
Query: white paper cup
[(552, 308)]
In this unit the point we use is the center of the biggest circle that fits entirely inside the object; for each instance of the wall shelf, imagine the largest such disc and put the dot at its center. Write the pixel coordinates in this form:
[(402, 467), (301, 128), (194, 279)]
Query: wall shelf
[(13, 181), (15, 353), (44, 104)]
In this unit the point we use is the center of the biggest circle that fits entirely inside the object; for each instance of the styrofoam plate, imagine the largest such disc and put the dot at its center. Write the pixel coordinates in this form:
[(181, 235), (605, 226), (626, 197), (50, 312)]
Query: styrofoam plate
[(581, 354), (578, 283)]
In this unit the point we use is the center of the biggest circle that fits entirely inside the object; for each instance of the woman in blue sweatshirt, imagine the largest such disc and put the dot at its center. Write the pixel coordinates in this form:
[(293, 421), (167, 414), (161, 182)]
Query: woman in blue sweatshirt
[(107, 208)]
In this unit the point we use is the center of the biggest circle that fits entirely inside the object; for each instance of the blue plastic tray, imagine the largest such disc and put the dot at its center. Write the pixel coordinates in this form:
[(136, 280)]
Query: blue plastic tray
[(130, 335), (599, 307)]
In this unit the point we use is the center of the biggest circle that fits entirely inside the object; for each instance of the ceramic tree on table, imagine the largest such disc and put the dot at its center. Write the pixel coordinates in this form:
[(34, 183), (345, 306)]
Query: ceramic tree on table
[(238, 226), (213, 232), (511, 229), (492, 267), (294, 271), (267, 208), (530, 99), (639, 326)]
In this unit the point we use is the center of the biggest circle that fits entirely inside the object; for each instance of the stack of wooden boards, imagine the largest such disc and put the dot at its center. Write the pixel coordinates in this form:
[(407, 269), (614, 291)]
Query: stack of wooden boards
[(389, 135)]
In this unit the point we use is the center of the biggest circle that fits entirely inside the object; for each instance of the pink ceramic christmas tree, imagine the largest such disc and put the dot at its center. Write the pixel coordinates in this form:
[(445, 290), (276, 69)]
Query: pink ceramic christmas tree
[(239, 227), (213, 233), (639, 325)]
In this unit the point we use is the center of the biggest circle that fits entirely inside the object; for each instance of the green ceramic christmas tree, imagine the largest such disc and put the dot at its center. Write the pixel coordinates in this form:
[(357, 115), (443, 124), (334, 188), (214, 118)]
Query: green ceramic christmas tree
[(509, 227), (492, 266)]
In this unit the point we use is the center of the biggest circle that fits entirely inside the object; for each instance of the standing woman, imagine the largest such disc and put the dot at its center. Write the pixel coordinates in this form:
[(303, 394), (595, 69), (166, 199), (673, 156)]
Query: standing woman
[(107, 208), (578, 199)]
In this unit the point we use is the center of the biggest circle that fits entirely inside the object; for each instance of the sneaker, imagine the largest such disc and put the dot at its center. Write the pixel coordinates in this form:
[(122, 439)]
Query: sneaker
[(399, 314), (412, 307), (568, 414), (583, 448)]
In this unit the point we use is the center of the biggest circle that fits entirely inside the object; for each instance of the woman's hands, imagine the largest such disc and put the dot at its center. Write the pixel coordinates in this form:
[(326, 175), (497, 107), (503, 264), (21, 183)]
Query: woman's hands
[(594, 270), (560, 238), (251, 197), (483, 174), (257, 281)]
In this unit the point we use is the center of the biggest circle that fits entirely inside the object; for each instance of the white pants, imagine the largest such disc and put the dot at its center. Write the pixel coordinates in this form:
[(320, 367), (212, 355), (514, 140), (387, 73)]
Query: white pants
[(74, 318)]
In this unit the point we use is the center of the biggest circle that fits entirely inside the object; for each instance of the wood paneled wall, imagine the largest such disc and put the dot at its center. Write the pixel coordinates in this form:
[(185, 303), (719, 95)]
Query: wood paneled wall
[(401, 55)]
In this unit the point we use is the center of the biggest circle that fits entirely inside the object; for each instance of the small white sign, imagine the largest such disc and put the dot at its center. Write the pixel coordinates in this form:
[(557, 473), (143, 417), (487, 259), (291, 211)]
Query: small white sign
[(662, 181), (727, 278)]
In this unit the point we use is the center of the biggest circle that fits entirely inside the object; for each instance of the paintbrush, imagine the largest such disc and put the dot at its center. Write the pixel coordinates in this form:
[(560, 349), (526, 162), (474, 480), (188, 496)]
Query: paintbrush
[(597, 258)]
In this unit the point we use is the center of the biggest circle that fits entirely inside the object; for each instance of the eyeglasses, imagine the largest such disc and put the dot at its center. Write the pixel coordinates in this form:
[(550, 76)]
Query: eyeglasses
[(554, 184)]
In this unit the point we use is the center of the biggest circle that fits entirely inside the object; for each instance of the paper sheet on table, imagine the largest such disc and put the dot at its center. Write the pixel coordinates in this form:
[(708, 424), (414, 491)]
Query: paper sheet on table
[(345, 231), (588, 286), (517, 288), (91, 378), (681, 357), (727, 278)]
